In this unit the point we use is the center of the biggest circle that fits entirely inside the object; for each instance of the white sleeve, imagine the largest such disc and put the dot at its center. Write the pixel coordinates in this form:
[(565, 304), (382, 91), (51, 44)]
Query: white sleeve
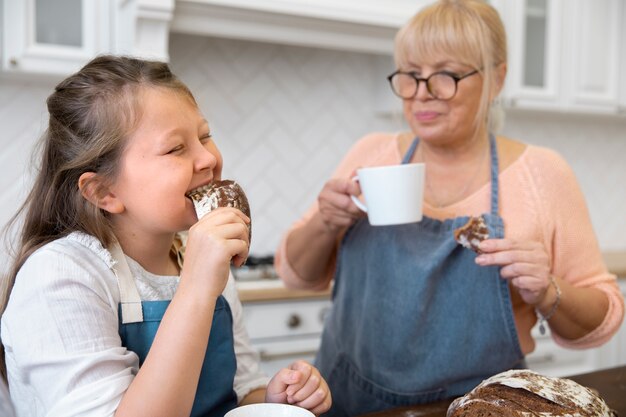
[(6, 407), (60, 330), (248, 376)]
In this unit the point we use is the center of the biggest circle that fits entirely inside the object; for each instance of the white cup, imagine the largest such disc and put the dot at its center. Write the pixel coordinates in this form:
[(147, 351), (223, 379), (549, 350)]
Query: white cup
[(393, 194), (269, 410)]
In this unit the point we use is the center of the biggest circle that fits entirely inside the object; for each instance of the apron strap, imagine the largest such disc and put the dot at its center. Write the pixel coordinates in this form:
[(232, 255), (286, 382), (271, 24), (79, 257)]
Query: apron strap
[(409, 153), (130, 301), (495, 169)]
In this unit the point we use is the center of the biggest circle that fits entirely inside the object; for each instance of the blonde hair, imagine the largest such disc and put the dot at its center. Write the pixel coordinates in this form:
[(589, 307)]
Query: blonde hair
[(92, 113), (470, 31)]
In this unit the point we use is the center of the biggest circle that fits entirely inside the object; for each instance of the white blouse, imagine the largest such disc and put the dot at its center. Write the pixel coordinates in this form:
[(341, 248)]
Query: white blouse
[(60, 331)]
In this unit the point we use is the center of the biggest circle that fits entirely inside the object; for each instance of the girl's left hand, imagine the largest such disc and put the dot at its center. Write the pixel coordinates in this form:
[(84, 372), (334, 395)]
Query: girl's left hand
[(525, 264), (301, 384)]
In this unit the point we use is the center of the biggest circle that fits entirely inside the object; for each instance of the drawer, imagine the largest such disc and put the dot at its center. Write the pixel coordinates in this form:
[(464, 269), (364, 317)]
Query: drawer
[(265, 320), (281, 353)]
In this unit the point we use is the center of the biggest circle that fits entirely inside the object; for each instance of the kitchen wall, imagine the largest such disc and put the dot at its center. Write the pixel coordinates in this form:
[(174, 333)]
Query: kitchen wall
[(283, 116)]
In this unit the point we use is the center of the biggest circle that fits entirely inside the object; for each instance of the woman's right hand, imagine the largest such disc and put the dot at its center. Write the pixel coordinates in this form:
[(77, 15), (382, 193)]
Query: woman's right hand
[(213, 242), (337, 209)]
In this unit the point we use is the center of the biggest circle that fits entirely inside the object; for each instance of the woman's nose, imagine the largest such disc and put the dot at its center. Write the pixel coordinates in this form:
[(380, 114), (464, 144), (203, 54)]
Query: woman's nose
[(422, 92)]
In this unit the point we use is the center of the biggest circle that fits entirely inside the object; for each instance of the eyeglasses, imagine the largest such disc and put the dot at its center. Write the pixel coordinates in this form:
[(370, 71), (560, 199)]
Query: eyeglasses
[(441, 85)]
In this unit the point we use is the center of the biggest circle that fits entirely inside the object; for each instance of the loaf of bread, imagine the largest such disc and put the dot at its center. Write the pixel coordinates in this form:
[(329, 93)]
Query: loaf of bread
[(221, 193), (526, 393), (472, 233)]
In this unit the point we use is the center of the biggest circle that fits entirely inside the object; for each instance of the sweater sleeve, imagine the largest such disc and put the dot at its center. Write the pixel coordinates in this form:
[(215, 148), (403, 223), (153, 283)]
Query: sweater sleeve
[(575, 252)]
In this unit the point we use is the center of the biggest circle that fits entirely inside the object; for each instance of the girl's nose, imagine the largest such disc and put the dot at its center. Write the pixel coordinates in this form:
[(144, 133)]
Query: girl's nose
[(204, 159)]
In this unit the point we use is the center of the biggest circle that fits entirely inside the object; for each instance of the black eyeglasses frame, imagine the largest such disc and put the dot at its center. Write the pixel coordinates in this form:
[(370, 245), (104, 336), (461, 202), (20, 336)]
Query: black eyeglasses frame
[(417, 79)]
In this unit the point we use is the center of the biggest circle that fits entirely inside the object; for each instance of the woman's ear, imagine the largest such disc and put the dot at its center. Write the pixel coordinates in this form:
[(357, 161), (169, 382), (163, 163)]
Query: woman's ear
[(95, 190)]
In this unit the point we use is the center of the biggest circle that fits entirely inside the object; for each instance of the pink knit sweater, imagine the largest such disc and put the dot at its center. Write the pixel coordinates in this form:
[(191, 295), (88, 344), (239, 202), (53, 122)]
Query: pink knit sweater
[(540, 200)]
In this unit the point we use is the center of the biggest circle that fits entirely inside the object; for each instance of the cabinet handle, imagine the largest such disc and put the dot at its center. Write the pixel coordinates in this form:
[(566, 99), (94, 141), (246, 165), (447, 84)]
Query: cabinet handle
[(264, 356), (294, 321)]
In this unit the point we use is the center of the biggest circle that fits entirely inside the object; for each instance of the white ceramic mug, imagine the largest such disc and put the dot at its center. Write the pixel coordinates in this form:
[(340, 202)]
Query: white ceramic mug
[(269, 410), (393, 194)]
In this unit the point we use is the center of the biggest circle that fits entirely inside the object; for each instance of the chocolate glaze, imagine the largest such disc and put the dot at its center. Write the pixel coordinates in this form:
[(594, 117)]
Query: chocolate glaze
[(222, 193)]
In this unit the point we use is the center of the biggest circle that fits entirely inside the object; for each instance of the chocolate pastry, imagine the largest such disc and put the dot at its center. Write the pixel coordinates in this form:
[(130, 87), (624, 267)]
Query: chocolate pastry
[(522, 392), (472, 233), (222, 193)]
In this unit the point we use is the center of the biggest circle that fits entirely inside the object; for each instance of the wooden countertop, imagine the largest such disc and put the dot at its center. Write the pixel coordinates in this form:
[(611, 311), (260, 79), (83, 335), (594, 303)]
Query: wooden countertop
[(274, 290), (616, 262), (609, 383)]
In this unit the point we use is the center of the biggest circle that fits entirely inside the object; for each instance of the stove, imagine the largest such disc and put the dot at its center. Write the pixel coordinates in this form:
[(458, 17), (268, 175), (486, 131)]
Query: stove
[(256, 268)]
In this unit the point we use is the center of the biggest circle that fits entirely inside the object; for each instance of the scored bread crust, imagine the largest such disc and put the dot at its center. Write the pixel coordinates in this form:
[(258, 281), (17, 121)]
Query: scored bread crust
[(526, 393)]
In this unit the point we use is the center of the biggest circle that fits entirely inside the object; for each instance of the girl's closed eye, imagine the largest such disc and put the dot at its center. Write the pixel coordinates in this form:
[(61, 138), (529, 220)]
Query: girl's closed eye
[(205, 137), (175, 149)]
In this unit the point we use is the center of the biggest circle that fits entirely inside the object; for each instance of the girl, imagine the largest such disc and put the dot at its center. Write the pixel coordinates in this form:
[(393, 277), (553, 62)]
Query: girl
[(103, 318)]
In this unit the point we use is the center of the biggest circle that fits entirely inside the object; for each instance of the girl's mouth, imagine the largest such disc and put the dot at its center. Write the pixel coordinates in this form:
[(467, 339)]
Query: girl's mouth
[(199, 191)]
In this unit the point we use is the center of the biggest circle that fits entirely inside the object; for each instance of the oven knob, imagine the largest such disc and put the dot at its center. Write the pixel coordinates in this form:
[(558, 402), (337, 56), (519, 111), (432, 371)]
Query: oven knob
[(294, 321)]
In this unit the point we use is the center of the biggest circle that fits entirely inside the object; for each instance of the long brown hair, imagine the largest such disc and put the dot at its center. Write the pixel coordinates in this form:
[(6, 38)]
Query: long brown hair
[(92, 112)]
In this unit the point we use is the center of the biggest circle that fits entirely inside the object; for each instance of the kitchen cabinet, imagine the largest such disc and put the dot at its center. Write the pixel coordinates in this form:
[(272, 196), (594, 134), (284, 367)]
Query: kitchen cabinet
[(44, 37), (565, 55), (622, 96), (284, 331), (355, 25), (53, 37)]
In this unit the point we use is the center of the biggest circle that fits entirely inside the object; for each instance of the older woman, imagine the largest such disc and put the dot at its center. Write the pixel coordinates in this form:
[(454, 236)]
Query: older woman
[(417, 317)]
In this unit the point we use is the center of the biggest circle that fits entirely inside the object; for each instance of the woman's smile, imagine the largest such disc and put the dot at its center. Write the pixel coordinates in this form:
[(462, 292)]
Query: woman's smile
[(426, 116)]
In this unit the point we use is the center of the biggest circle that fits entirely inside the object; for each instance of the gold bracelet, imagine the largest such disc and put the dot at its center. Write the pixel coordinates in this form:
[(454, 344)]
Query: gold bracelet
[(543, 319)]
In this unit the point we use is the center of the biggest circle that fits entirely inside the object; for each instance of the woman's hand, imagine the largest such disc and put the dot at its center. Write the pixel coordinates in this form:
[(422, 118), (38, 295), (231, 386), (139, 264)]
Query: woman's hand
[(337, 209), (526, 264), (213, 242), (301, 384)]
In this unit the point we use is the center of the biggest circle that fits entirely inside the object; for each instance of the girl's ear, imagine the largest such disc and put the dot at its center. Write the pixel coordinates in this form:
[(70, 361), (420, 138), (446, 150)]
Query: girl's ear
[(95, 190)]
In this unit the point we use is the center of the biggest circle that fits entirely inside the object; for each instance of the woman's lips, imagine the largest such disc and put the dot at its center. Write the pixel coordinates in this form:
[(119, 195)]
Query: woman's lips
[(425, 116)]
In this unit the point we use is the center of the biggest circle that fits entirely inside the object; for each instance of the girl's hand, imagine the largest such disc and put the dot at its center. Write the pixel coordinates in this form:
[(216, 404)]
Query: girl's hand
[(526, 264), (301, 384), (215, 240), (337, 209)]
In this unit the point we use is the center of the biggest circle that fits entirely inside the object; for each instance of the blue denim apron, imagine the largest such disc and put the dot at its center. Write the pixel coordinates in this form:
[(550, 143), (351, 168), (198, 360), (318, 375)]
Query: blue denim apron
[(414, 319), (138, 324)]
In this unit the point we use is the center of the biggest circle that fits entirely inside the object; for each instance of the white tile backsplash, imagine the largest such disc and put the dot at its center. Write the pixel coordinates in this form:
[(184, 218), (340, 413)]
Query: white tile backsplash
[(283, 117)]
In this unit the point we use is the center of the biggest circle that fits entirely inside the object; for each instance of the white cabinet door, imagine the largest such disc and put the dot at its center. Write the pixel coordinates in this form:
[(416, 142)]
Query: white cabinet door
[(565, 55), (57, 37), (534, 30), (592, 49), (41, 36), (622, 71)]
